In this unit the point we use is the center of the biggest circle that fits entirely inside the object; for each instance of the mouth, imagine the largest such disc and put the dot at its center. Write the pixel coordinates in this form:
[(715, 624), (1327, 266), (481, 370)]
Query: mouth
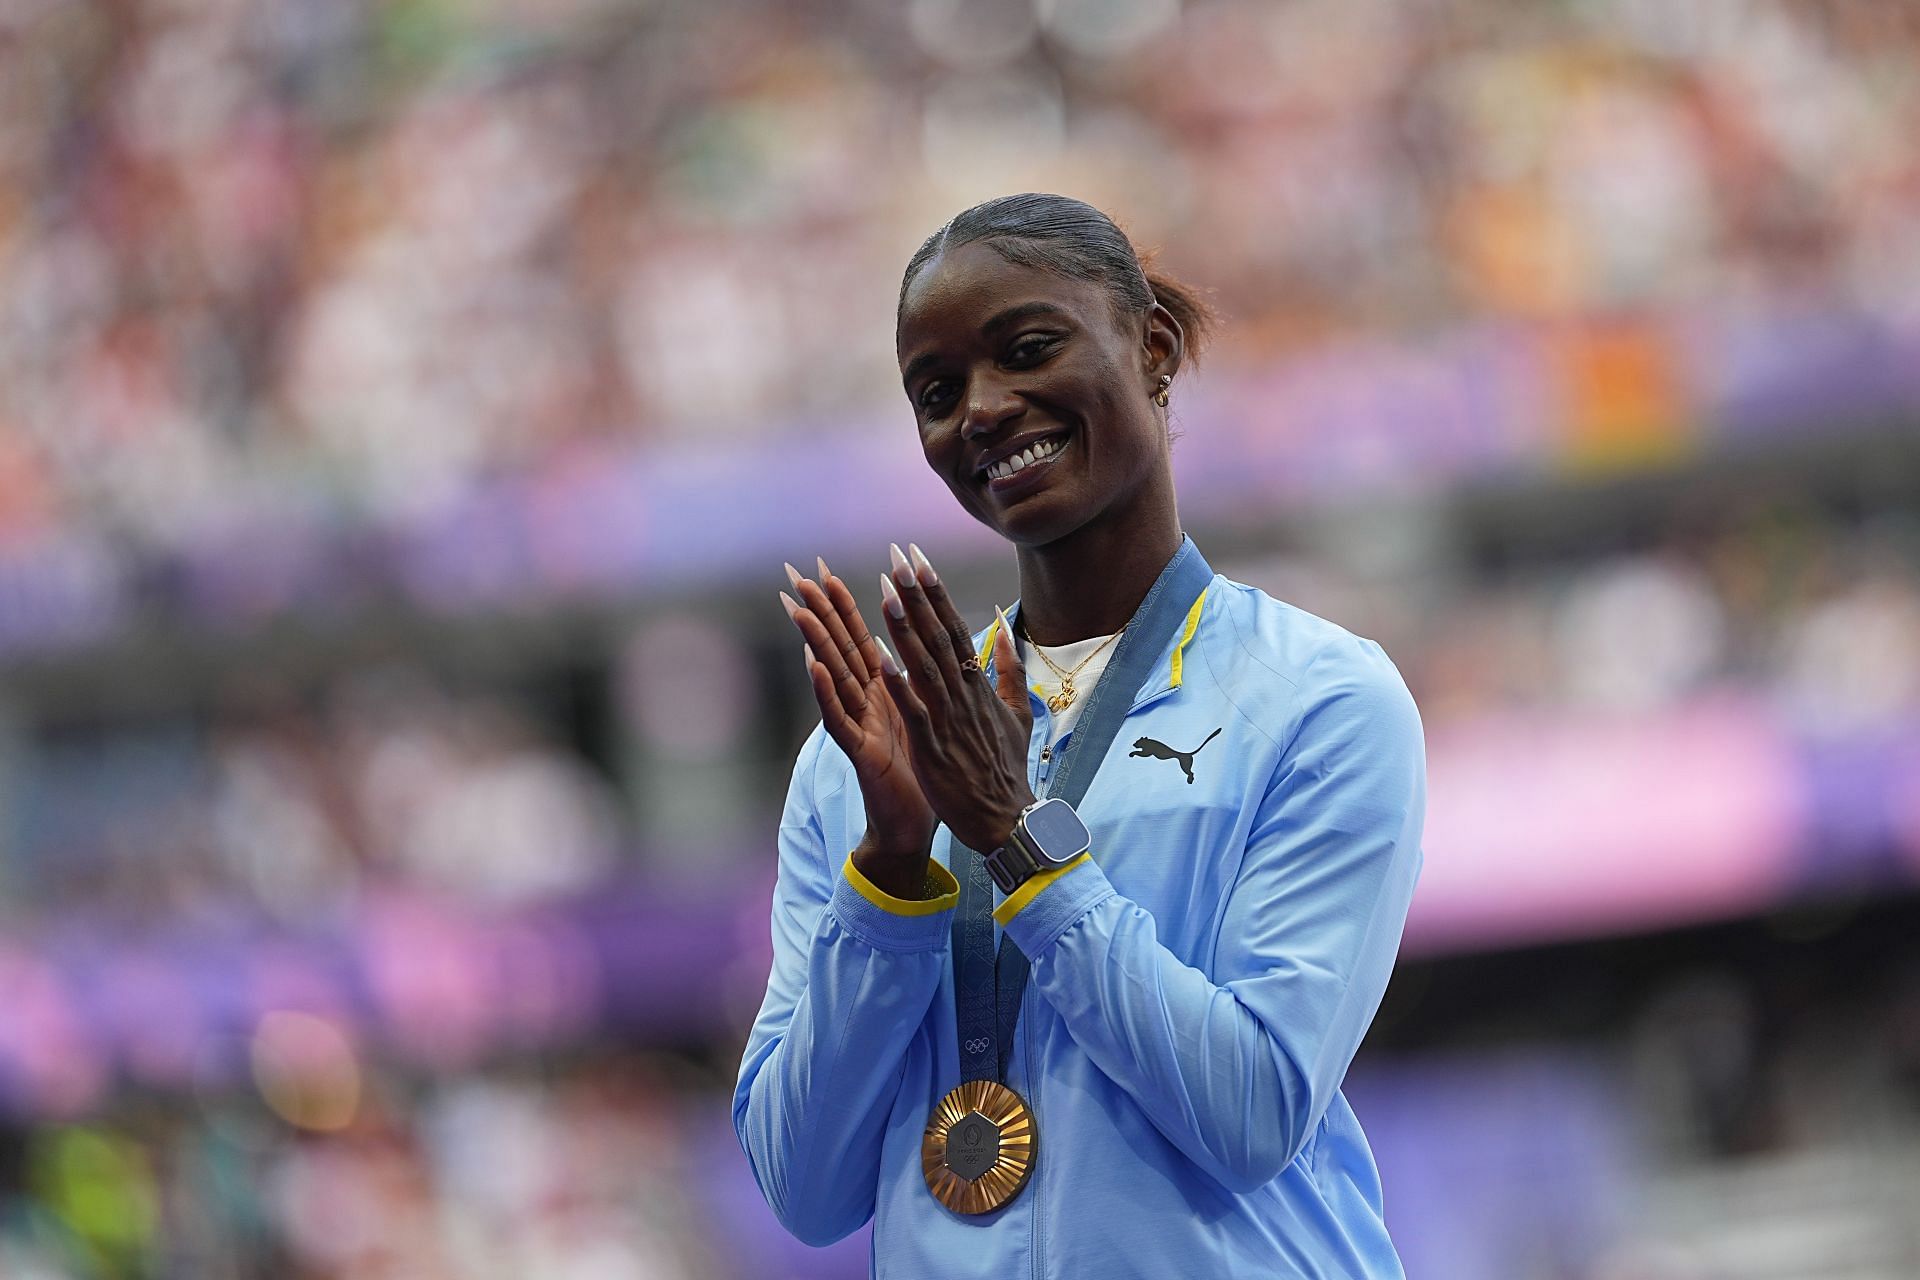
[(1029, 459)]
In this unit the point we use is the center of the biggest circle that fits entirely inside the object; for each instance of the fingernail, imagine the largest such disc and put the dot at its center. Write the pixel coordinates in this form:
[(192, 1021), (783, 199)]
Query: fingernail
[(808, 650), (793, 576), (887, 664), (923, 565), (788, 603), (902, 571), (890, 598), (825, 572)]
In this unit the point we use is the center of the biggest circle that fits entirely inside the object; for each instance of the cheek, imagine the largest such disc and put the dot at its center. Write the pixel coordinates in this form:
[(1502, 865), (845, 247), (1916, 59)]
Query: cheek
[(937, 444), (940, 446), (1089, 387)]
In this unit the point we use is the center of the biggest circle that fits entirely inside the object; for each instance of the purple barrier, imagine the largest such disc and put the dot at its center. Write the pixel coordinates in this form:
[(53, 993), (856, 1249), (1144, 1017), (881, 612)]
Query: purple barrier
[(1507, 1163), (1550, 826), (89, 1003)]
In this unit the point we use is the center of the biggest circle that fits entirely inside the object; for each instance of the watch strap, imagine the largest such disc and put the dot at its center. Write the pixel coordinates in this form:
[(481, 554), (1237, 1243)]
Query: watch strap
[(1012, 863)]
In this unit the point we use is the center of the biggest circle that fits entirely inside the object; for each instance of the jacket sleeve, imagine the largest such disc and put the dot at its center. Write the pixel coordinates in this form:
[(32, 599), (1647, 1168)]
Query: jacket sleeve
[(854, 971), (1236, 1067)]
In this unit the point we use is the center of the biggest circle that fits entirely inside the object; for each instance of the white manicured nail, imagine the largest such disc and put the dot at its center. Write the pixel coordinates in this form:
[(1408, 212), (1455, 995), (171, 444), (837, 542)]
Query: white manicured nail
[(923, 565), (890, 598), (788, 603), (902, 571)]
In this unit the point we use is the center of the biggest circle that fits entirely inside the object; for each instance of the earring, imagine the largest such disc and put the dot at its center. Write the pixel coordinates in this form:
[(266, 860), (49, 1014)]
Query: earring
[(1160, 396)]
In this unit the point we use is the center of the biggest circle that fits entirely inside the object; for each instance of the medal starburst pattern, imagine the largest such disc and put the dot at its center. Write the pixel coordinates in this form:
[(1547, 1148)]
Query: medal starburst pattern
[(1012, 1166)]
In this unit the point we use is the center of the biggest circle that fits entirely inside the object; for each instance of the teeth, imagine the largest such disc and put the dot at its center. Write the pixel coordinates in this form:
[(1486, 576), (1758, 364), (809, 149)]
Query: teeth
[(1040, 452)]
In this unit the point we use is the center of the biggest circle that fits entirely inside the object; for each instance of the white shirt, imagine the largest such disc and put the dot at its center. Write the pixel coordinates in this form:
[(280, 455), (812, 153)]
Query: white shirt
[(1066, 657)]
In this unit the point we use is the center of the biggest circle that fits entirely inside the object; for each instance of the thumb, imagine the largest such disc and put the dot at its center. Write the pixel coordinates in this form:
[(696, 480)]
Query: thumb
[(1009, 676)]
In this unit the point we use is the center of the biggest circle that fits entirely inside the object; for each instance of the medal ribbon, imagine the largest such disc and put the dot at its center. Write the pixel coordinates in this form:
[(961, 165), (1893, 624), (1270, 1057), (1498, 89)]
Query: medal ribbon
[(988, 988)]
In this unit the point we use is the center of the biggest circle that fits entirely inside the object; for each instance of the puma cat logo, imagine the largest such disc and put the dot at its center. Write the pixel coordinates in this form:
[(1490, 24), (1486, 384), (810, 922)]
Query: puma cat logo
[(1161, 751)]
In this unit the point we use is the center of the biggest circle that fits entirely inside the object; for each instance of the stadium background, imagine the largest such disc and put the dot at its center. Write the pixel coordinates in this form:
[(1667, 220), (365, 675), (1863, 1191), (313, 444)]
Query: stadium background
[(405, 409)]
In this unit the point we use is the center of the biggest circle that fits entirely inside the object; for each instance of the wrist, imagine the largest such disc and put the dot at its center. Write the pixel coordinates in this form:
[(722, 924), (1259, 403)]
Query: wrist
[(997, 828), (897, 871)]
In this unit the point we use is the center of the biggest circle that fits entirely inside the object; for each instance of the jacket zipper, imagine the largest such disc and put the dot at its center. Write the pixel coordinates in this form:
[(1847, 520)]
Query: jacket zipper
[(1039, 1201), (1033, 1076), (1043, 773)]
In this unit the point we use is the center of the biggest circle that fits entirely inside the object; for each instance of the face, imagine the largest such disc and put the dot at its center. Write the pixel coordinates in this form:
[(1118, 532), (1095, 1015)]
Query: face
[(1033, 395)]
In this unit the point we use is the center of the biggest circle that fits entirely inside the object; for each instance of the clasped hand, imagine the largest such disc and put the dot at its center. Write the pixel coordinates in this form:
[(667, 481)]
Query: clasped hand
[(931, 738)]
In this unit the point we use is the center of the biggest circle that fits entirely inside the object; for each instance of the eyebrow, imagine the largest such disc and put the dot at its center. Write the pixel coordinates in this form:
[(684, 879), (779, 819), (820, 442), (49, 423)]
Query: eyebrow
[(1015, 314), (998, 321)]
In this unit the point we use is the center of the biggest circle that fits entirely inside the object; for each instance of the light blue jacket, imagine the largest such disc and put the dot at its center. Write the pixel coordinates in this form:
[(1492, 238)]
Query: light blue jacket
[(1199, 984)]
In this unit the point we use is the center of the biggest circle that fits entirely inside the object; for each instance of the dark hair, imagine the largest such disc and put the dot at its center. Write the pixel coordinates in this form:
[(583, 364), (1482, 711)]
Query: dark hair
[(1071, 238)]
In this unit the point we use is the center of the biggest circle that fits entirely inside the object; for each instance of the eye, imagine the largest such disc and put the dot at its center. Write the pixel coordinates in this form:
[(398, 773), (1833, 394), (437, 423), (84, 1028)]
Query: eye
[(1030, 348), (936, 393)]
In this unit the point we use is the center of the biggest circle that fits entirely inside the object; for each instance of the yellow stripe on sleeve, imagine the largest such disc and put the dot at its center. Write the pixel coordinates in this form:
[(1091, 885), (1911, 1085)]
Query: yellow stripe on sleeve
[(1031, 888), (939, 879)]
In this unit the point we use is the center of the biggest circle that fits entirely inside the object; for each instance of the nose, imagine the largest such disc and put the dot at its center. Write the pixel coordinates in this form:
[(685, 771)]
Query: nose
[(990, 405)]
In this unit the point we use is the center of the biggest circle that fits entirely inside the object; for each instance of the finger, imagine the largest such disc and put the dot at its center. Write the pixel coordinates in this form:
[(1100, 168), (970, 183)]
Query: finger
[(833, 715), (926, 624), (918, 667), (851, 690), (868, 644), (958, 633), (913, 712), (815, 597), (1009, 674)]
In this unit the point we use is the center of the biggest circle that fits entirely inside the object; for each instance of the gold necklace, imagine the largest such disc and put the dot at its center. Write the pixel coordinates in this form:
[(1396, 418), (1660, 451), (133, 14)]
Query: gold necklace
[(1062, 700)]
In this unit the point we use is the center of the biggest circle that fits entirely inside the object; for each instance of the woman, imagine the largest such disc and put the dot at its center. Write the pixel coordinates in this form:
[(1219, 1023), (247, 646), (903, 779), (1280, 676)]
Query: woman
[(1200, 824)]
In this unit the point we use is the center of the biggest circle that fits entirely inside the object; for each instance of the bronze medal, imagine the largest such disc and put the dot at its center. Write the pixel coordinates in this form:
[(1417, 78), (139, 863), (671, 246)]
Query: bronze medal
[(979, 1147)]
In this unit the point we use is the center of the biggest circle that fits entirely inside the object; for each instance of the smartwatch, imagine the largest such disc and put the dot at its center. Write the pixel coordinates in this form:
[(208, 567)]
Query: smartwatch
[(1046, 835)]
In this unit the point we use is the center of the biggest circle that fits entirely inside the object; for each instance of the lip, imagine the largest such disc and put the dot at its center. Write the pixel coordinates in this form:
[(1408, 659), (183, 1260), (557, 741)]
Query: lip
[(1027, 478), (1016, 445)]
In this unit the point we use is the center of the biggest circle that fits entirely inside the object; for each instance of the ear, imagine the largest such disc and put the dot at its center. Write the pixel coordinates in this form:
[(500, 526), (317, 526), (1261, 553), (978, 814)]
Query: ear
[(1162, 344)]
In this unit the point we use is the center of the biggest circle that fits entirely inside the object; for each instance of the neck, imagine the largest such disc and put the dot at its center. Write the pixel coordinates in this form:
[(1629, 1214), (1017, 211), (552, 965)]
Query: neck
[(1090, 582)]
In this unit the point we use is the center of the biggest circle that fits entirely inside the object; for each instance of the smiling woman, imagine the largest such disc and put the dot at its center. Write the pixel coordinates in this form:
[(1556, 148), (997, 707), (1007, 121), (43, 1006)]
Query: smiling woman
[(1038, 353), (1206, 928)]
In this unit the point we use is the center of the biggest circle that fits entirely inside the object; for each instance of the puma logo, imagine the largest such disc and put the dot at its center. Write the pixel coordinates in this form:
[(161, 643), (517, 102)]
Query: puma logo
[(1161, 751)]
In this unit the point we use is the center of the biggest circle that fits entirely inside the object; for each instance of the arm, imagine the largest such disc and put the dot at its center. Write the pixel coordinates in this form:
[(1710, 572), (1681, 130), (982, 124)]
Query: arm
[(1237, 1067), (854, 971)]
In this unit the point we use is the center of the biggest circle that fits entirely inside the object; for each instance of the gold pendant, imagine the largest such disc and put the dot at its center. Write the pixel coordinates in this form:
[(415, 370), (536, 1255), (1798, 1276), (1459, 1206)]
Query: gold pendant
[(1062, 700), (979, 1147)]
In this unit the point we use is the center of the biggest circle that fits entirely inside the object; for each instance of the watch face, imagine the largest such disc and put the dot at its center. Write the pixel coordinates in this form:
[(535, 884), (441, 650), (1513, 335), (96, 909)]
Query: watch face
[(1056, 831)]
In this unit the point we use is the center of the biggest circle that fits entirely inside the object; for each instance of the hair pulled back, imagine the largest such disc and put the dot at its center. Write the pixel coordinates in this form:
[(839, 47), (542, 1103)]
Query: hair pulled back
[(1070, 238)]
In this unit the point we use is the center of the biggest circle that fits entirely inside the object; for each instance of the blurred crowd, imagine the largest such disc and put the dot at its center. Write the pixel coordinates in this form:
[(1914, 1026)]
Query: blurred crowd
[(286, 807), (1813, 614), (530, 1173), (348, 257)]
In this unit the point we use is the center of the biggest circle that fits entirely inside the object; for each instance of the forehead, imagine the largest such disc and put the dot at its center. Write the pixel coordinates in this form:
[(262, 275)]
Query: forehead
[(960, 290)]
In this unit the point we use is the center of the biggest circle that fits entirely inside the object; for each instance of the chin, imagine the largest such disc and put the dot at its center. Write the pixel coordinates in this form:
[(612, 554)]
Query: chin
[(1033, 523)]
